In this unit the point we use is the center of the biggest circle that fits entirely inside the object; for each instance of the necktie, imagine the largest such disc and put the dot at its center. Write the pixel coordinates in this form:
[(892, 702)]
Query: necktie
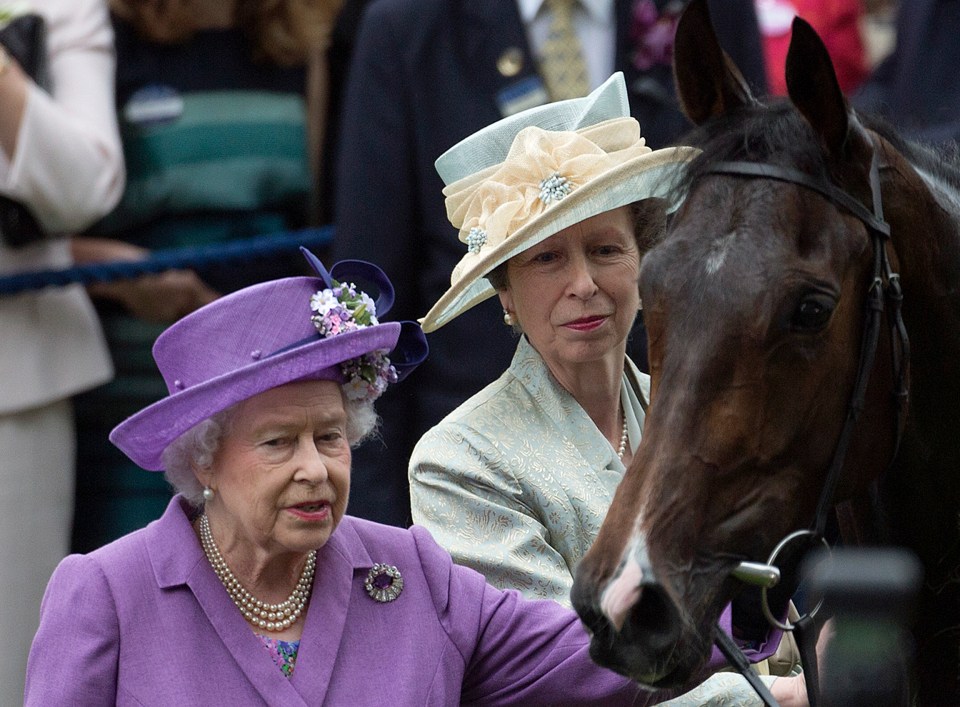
[(561, 63)]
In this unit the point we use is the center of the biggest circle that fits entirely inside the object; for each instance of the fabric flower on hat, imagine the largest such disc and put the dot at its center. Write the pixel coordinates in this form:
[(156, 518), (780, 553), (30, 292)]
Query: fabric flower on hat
[(541, 169), (368, 376), (323, 301)]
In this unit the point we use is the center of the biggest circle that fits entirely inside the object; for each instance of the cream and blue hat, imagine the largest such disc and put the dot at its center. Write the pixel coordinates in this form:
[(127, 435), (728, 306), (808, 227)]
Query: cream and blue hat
[(522, 179)]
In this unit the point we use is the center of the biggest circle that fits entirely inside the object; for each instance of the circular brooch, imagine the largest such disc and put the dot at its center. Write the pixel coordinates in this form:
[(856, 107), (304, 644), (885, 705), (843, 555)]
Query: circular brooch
[(383, 582)]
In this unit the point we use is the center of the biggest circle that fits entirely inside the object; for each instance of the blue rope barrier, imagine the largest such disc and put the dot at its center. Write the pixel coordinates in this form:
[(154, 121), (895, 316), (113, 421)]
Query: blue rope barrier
[(185, 258)]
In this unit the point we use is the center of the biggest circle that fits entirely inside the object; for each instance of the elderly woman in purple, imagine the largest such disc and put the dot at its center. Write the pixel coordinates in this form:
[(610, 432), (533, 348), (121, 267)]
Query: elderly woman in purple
[(255, 587)]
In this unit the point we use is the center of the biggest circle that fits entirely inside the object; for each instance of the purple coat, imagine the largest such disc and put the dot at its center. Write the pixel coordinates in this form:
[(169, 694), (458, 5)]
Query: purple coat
[(145, 621)]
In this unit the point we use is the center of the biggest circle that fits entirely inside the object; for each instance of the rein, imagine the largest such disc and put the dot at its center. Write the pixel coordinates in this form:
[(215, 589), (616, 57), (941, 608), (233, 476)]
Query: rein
[(884, 292)]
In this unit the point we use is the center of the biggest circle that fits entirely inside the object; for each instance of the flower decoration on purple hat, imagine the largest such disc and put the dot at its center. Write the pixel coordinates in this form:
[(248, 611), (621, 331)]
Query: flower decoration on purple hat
[(344, 308), (341, 307)]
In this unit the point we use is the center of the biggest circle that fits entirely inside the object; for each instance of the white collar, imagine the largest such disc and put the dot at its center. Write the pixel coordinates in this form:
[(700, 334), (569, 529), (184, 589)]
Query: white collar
[(599, 10)]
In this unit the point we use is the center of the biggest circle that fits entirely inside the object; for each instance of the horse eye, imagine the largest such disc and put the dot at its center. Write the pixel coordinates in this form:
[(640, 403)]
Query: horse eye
[(813, 313)]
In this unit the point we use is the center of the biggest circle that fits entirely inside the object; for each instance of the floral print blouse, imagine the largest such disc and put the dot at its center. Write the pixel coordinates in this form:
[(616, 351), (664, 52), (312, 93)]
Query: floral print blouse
[(284, 653)]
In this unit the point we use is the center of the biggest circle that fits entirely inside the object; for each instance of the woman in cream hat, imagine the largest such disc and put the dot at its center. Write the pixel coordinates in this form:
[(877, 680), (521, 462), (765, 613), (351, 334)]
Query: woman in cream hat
[(554, 207)]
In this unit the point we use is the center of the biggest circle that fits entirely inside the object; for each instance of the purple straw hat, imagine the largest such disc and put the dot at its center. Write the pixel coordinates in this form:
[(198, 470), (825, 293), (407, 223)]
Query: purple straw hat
[(266, 335)]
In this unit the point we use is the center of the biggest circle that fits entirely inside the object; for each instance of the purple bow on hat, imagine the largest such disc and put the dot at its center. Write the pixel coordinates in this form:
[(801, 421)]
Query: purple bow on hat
[(411, 349)]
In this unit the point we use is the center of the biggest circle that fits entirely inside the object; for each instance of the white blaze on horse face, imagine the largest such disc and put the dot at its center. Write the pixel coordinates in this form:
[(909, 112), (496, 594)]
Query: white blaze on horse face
[(623, 591), (718, 253)]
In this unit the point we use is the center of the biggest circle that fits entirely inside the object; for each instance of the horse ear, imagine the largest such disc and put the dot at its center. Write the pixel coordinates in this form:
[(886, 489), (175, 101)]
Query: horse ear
[(708, 82), (813, 87)]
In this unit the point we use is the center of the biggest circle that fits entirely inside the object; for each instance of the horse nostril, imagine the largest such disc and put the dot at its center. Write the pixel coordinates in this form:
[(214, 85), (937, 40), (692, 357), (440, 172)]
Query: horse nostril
[(653, 620), (593, 621)]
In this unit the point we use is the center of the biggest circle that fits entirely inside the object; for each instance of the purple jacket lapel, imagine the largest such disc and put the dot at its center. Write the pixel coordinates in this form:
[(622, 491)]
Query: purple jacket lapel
[(337, 562), (178, 559)]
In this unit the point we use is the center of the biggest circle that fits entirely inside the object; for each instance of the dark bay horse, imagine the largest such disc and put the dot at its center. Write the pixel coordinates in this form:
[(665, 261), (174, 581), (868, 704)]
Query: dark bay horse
[(756, 306)]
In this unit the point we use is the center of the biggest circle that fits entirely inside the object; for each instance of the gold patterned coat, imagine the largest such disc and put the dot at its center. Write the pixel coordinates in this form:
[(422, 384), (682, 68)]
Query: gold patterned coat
[(517, 480)]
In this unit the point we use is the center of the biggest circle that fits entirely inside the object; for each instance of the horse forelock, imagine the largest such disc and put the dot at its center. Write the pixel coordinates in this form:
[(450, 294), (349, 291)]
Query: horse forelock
[(775, 133)]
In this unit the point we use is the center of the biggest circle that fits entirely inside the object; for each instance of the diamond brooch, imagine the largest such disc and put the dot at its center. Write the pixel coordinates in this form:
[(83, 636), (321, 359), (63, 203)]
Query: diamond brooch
[(554, 188), (475, 239), (383, 582)]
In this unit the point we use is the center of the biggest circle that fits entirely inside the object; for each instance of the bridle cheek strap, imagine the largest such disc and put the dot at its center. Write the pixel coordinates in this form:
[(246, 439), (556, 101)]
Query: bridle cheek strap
[(884, 282)]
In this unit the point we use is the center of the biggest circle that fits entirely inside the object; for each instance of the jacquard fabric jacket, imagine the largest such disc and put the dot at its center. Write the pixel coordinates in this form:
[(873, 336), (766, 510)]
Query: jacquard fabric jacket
[(516, 482), (145, 621)]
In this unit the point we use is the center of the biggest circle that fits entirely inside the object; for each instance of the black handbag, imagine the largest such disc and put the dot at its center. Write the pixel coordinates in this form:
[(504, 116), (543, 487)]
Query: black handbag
[(24, 38)]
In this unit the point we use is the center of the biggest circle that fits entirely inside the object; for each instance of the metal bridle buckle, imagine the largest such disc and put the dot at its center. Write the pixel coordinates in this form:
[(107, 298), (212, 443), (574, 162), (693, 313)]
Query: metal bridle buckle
[(764, 602)]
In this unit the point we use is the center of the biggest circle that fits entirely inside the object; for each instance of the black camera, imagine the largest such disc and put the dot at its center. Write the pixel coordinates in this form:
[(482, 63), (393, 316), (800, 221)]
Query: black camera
[(870, 594)]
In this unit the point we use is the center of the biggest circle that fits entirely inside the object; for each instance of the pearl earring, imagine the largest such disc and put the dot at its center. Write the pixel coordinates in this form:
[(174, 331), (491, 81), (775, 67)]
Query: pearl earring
[(507, 318), (207, 493)]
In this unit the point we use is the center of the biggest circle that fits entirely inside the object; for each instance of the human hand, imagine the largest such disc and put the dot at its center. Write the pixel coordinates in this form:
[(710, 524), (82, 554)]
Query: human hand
[(790, 691), (162, 298)]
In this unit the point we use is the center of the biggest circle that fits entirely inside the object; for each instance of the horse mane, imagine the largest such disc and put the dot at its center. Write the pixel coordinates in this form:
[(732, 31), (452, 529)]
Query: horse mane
[(776, 133), (940, 161), (760, 132)]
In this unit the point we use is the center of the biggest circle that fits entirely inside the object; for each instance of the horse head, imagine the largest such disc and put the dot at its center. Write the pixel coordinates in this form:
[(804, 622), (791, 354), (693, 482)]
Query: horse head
[(754, 306)]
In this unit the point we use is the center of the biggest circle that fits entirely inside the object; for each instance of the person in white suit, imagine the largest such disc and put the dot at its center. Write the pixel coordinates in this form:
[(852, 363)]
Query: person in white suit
[(61, 159)]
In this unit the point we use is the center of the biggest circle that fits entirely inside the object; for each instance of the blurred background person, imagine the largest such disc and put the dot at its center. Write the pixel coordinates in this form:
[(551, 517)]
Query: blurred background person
[(220, 106), (879, 30), (424, 75), (917, 87), (61, 168), (840, 24)]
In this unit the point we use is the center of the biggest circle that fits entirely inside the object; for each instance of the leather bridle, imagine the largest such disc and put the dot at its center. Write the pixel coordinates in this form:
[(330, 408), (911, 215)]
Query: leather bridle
[(884, 292)]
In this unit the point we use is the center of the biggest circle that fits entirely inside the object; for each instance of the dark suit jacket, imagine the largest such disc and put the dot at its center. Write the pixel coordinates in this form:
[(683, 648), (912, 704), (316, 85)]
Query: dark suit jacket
[(917, 87), (424, 76)]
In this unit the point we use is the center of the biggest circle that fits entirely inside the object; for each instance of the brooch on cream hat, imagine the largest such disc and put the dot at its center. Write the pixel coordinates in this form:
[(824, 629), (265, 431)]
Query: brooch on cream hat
[(524, 178)]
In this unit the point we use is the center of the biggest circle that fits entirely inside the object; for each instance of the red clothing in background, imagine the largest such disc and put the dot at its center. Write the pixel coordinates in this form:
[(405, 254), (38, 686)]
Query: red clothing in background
[(836, 21)]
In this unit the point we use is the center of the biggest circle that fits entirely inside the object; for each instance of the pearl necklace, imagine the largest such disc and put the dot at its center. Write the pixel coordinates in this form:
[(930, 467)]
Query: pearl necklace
[(623, 438), (272, 617)]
